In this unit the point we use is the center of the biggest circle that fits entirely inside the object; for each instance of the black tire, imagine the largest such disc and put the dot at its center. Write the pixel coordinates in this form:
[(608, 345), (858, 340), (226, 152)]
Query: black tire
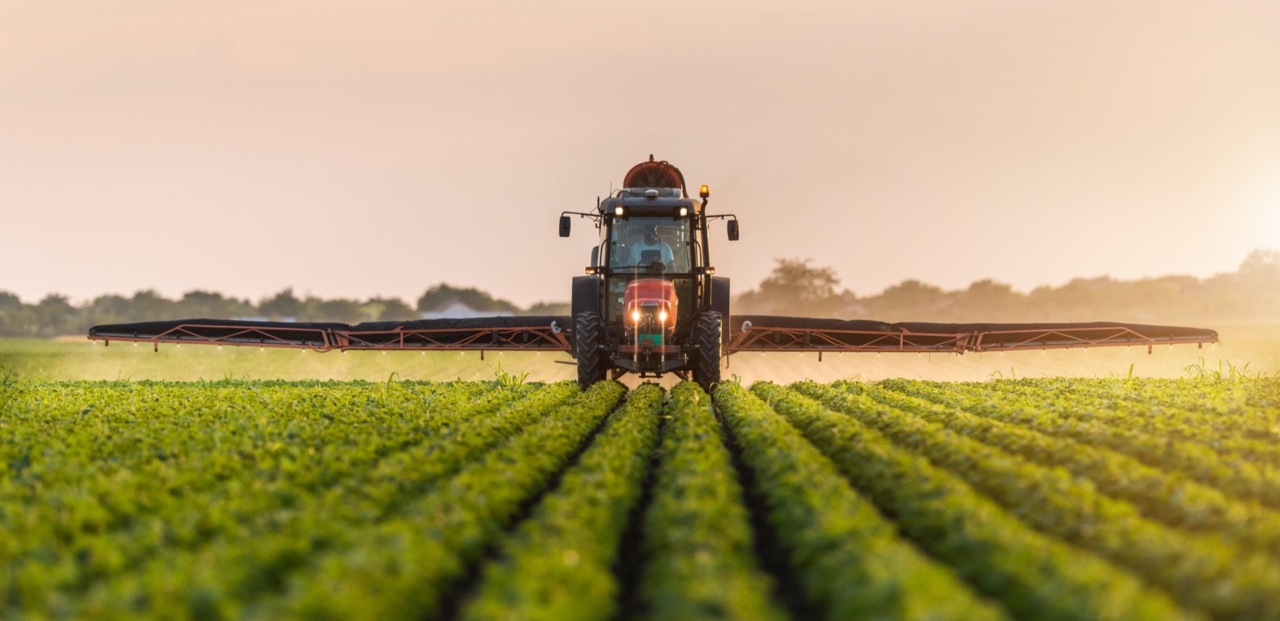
[(706, 362), (720, 304), (588, 336)]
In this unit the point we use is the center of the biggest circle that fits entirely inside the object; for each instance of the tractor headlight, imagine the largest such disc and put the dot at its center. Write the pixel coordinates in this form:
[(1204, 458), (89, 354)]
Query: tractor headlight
[(662, 315), (619, 211), (635, 316)]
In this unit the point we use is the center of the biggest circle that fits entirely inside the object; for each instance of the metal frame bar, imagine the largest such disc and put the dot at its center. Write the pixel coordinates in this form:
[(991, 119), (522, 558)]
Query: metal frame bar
[(526, 338), (536, 338), (805, 340), (1116, 336), (754, 339), (182, 333), (766, 339)]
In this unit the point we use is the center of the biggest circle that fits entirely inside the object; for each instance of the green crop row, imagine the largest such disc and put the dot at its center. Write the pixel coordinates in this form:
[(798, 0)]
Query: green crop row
[(700, 563), (1045, 498), (1063, 398), (54, 429), (209, 443), (81, 533), (404, 567), (558, 564), (1034, 576), (266, 532), (849, 560), (310, 450), (1169, 497), (1235, 477), (1259, 457), (1239, 404), (1221, 579), (1087, 399)]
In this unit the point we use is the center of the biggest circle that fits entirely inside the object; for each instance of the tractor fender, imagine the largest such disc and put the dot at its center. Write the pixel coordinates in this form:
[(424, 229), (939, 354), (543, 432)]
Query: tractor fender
[(720, 304), (586, 298)]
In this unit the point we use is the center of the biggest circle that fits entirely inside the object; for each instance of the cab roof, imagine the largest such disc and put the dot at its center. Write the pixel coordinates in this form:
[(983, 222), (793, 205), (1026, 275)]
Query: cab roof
[(642, 206)]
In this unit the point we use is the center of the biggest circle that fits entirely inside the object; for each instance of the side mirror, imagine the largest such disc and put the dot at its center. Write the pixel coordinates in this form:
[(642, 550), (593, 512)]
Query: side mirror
[(595, 256), (733, 230), (564, 226)]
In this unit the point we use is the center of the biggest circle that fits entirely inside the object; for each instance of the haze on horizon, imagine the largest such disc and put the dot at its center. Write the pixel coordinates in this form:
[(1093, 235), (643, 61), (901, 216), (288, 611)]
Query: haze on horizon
[(376, 148)]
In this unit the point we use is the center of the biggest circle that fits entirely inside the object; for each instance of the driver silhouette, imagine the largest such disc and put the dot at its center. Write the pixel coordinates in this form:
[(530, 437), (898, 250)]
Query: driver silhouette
[(650, 244)]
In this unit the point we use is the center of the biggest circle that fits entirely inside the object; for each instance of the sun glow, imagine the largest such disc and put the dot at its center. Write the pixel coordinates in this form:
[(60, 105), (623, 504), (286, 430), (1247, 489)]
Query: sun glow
[(1273, 214), (1265, 207)]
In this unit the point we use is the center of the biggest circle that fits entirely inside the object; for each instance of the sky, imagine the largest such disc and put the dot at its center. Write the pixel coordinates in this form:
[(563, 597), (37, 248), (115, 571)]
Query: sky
[(378, 147)]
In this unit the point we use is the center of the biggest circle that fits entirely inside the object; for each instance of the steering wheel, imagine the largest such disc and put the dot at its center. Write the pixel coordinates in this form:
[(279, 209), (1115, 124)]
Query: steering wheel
[(656, 266)]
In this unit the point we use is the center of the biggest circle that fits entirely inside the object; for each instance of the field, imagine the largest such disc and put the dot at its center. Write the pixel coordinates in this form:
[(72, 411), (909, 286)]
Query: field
[(1113, 498)]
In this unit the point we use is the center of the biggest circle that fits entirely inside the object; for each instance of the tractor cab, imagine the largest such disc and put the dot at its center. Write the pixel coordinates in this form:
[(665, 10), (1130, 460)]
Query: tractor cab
[(649, 250), (650, 302)]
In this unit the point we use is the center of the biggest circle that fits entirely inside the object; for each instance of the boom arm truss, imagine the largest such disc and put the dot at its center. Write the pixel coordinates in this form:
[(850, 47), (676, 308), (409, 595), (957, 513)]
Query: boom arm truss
[(799, 334), (750, 333), (505, 333)]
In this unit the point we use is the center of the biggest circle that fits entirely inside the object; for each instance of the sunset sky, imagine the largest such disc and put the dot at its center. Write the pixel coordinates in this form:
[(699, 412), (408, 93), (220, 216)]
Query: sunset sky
[(376, 148)]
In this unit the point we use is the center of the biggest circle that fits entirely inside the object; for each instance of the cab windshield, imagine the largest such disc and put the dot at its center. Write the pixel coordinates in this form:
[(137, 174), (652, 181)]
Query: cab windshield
[(644, 242)]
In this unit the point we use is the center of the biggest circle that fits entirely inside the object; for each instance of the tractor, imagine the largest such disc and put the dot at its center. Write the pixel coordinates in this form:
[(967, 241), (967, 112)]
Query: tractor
[(650, 302)]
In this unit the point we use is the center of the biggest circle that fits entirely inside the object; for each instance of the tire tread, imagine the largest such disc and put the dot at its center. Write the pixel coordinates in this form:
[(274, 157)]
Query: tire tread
[(588, 332), (706, 334)]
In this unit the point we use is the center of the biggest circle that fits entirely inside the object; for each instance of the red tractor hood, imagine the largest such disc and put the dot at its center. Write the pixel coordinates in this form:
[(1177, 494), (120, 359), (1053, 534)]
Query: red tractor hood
[(647, 291)]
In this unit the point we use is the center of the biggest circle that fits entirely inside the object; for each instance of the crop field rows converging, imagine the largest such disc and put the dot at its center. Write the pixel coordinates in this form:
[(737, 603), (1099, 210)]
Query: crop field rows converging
[(1010, 499)]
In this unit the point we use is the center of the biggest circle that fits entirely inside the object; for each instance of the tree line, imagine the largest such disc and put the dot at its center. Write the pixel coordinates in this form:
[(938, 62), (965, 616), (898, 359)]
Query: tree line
[(56, 315), (1252, 293), (795, 287)]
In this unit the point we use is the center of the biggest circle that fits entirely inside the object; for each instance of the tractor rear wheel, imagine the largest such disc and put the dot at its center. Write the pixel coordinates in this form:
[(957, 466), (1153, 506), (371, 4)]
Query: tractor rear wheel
[(588, 336), (706, 362)]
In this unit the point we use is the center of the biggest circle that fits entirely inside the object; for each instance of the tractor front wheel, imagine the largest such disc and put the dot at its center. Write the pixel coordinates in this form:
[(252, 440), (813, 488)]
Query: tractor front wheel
[(588, 337), (706, 362)]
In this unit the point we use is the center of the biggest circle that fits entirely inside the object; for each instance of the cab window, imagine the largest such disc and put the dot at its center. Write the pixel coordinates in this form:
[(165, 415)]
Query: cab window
[(638, 241)]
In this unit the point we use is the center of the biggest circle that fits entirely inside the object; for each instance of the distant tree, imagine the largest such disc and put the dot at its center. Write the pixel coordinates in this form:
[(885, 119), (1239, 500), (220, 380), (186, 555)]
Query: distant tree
[(387, 309), (212, 305), (549, 308), (16, 319), (911, 295), (371, 311), (55, 315), (109, 309), (340, 309), (282, 305), (444, 293), (9, 302), (148, 305), (796, 278), (1262, 266), (795, 287)]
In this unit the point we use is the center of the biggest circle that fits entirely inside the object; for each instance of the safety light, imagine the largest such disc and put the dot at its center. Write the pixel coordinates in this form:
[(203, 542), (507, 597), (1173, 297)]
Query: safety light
[(635, 316), (618, 211), (662, 315), (684, 211), (704, 191)]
